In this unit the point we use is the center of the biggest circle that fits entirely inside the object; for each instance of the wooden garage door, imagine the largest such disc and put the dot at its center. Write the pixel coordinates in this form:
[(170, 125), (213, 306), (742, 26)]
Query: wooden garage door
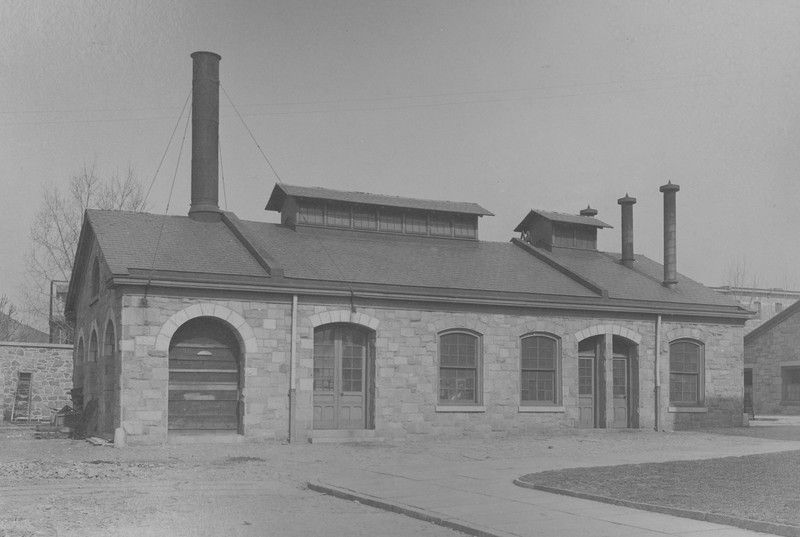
[(204, 378)]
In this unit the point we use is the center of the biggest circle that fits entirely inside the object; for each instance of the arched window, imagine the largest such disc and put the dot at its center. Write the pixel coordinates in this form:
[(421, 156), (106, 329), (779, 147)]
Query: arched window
[(540, 375), (93, 347), (686, 373), (109, 342), (460, 368)]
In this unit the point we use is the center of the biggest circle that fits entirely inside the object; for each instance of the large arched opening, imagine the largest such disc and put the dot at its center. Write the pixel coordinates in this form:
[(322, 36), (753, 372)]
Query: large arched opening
[(205, 378)]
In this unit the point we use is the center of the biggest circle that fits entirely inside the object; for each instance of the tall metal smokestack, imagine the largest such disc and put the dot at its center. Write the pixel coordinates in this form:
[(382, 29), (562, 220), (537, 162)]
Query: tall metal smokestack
[(670, 228), (627, 229), (205, 137)]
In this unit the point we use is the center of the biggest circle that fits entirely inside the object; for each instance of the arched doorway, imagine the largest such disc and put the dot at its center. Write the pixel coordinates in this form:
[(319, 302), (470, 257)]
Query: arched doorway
[(344, 373), (204, 378)]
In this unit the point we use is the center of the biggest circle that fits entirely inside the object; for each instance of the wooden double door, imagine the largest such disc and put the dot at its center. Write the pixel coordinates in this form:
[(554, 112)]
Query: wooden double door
[(601, 405), (343, 377)]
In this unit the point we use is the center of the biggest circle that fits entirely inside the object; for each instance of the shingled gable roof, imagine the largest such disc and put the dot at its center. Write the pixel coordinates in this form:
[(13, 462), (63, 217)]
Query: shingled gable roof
[(281, 191), (560, 217), (244, 253)]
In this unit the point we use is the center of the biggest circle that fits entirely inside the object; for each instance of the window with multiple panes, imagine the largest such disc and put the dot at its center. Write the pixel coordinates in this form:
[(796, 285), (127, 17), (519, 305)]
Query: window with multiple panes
[(790, 377), (416, 223), (465, 226), (441, 225), (365, 218), (338, 215), (312, 213), (686, 365), (459, 368), (391, 220), (540, 375)]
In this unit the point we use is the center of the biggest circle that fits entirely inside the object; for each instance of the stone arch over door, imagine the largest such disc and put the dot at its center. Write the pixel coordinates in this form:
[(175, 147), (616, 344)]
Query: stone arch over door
[(608, 376), (247, 338)]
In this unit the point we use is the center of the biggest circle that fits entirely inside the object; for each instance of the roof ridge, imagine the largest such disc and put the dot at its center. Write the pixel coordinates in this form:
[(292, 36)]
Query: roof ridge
[(561, 268), (244, 236)]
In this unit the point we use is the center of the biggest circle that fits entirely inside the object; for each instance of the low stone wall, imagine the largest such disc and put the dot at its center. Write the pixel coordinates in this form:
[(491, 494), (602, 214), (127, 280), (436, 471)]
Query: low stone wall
[(51, 368)]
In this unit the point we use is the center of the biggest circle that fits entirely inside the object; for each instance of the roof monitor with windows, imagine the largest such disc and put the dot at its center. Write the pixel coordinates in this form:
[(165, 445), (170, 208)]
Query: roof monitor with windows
[(547, 230), (358, 211)]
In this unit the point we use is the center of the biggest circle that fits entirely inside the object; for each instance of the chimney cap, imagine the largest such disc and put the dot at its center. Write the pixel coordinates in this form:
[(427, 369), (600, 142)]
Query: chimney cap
[(669, 187), (588, 211), (199, 52), (626, 200)]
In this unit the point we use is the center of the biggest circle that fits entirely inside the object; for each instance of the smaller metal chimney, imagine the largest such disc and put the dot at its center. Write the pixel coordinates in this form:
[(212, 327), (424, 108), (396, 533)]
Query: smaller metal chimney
[(627, 229), (588, 211), (205, 138), (670, 228)]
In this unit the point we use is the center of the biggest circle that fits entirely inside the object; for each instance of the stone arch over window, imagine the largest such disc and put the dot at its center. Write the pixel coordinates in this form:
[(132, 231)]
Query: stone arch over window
[(603, 329), (344, 316), (685, 333), (240, 326), (455, 322)]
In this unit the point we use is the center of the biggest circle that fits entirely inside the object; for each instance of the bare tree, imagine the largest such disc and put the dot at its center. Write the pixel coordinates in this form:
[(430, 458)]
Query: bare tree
[(56, 228), (9, 326)]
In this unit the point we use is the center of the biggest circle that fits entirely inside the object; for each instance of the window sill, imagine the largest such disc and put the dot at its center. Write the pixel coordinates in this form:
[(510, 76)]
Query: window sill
[(460, 408), (688, 409), (541, 409), (790, 403)]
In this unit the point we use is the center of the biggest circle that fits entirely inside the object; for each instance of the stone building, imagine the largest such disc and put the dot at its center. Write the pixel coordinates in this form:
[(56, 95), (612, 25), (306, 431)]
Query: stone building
[(772, 364), (371, 316)]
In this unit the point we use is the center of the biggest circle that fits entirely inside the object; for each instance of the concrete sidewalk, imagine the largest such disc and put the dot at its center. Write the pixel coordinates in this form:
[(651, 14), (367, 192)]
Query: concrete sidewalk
[(479, 498)]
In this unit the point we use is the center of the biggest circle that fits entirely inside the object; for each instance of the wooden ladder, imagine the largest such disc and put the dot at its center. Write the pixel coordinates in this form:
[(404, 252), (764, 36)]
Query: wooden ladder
[(22, 400)]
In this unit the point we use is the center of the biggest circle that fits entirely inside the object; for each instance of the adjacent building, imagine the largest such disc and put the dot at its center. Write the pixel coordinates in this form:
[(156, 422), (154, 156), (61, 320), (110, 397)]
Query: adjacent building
[(364, 315), (772, 364)]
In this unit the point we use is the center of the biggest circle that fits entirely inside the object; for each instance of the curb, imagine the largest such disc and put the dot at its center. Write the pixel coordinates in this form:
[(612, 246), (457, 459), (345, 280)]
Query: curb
[(744, 523), (419, 514)]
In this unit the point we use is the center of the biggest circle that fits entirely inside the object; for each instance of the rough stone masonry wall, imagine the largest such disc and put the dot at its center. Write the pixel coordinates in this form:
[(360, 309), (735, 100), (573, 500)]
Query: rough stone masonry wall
[(406, 369), (766, 354), (51, 366)]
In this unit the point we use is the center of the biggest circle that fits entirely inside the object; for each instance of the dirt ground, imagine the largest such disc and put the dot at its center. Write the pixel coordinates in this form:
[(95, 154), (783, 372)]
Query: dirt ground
[(71, 488)]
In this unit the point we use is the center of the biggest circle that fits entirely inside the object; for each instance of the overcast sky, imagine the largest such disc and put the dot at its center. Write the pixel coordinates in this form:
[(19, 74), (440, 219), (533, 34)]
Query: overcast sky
[(513, 105)]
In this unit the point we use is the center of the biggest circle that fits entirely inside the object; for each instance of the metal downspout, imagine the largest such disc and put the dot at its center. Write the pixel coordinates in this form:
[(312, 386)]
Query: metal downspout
[(658, 372), (293, 372)]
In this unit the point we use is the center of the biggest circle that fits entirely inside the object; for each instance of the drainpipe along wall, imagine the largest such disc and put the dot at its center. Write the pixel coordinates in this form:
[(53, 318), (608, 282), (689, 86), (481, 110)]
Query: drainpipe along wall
[(658, 372), (293, 371)]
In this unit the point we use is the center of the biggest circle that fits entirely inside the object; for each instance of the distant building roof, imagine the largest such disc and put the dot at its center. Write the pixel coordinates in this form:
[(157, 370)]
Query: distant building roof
[(281, 191)]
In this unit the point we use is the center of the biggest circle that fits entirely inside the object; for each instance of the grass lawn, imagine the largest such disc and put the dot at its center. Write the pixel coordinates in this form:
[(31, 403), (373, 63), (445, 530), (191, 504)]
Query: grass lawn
[(759, 487)]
